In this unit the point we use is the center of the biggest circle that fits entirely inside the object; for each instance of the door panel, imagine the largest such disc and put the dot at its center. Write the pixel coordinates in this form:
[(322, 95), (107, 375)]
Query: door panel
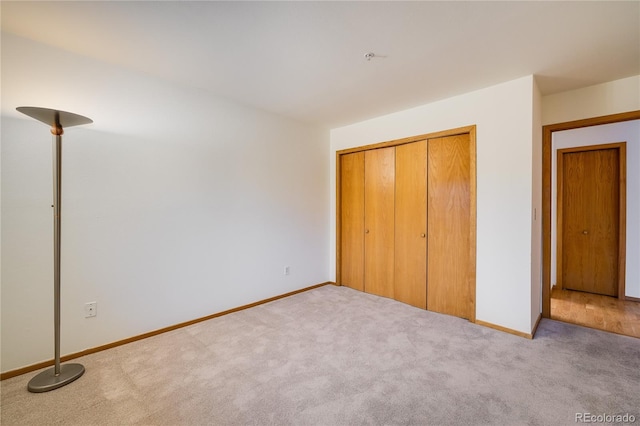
[(379, 221), (352, 220), (590, 221), (411, 224), (449, 226)]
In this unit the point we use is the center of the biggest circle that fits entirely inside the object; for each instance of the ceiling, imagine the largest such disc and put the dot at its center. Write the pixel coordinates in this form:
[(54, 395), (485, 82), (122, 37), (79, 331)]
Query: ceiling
[(305, 60)]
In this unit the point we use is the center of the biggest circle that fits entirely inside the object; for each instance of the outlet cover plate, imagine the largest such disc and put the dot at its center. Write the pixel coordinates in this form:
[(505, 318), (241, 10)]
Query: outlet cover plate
[(90, 309)]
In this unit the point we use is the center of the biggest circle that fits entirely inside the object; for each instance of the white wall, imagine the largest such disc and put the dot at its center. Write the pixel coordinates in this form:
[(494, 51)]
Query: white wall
[(627, 131), (594, 101), (504, 117), (176, 204)]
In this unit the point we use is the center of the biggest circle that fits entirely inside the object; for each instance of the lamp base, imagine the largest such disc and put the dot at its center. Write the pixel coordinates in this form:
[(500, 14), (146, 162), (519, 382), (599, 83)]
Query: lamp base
[(47, 380)]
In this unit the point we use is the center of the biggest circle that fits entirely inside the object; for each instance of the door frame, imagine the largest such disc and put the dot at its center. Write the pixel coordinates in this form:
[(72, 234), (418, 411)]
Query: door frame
[(547, 132), (471, 130), (621, 147)]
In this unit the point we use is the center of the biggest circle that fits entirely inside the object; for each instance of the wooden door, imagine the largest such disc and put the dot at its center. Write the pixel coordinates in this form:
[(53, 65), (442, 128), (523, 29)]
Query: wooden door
[(449, 265), (379, 196), (589, 225), (352, 220), (411, 224)]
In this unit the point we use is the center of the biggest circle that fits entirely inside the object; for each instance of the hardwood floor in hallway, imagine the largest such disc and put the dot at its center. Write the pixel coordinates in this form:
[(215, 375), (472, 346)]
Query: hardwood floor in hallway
[(596, 311)]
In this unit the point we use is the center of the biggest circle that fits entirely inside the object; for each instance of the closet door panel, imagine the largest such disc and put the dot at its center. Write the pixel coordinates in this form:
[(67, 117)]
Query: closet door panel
[(379, 195), (352, 220), (411, 224), (449, 222)]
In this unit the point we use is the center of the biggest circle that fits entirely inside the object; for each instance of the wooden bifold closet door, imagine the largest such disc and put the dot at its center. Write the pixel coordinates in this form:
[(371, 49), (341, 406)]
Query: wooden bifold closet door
[(367, 190), (352, 220), (407, 223), (379, 224), (449, 212), (411, 224)]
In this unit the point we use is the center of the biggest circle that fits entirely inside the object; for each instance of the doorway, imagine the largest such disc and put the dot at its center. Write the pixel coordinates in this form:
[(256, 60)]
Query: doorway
[(594, 305)]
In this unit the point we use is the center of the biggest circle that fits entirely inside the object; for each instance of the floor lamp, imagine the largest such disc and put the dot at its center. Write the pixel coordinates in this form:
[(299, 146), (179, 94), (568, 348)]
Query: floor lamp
[(59, 375)]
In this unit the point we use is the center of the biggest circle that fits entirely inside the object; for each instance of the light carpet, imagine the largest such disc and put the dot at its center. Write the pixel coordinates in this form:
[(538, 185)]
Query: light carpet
[(335, 356)]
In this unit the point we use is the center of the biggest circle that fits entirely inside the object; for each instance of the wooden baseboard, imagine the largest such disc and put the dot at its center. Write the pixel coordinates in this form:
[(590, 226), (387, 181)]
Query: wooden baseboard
[(505, 329), (632, 299), (65, 358)]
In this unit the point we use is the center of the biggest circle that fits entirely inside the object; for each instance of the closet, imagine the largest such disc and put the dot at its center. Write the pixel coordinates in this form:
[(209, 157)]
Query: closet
[(406, 221)]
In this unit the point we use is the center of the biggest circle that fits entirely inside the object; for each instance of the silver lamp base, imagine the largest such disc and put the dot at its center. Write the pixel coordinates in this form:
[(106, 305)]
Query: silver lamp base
[(48, 381)]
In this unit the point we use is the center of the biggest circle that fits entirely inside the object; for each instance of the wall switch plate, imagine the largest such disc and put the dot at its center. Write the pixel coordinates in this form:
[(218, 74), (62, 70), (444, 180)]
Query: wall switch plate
[(90, 309), (286, 270)]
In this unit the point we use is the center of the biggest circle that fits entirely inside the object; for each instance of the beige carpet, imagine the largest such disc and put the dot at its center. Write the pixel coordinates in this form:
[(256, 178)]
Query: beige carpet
[(334, 356)]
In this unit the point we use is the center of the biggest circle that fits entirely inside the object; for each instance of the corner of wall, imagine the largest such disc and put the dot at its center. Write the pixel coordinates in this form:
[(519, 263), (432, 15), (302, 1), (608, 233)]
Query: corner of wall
[(536, 202)]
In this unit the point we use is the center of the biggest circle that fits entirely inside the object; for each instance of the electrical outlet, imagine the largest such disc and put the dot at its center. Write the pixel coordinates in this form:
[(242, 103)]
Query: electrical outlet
[(90, 309), (286, 270)]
